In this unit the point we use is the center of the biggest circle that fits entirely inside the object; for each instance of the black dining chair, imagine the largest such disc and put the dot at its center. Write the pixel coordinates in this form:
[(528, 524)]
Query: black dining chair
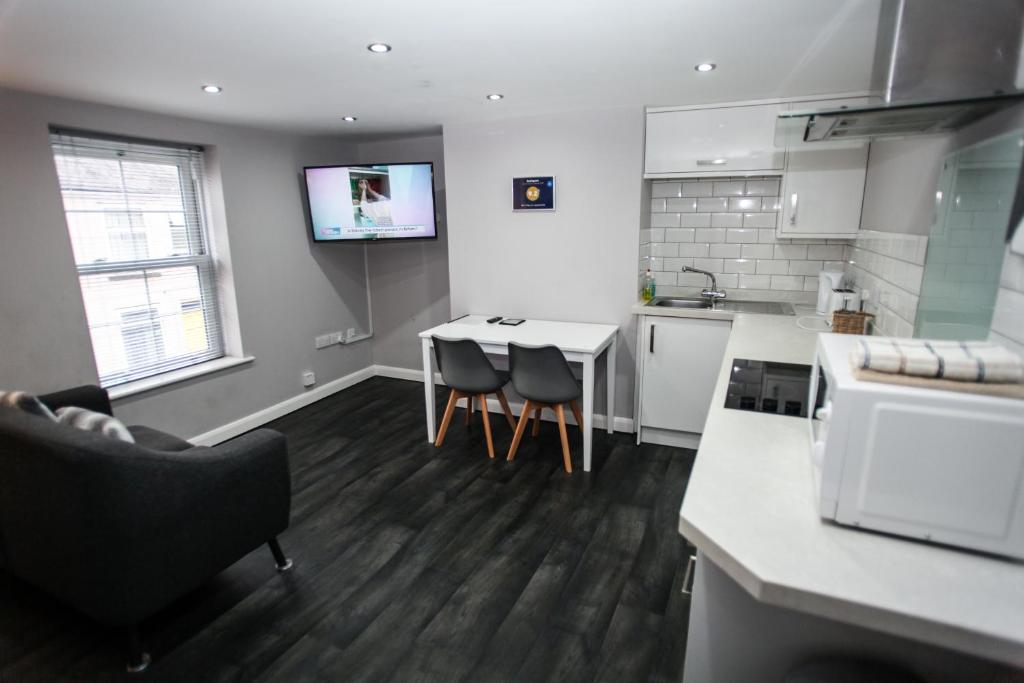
[(469, 374), (541, 375)]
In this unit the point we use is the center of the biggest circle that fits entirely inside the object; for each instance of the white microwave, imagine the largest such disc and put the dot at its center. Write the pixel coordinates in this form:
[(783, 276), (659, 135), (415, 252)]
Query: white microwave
[(942, 466)]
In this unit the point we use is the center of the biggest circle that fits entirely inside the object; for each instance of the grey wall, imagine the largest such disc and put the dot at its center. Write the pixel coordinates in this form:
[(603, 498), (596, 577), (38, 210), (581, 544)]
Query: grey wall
[(576, 263), (408, 281), (288, 290)]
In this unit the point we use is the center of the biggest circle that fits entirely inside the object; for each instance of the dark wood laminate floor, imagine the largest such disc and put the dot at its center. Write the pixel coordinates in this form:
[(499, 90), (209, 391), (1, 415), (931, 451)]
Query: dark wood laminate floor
[(418, 564)]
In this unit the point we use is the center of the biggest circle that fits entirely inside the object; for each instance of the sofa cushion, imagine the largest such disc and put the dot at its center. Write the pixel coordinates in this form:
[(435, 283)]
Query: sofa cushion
[(24, 401), (157, 440), (91, 421)]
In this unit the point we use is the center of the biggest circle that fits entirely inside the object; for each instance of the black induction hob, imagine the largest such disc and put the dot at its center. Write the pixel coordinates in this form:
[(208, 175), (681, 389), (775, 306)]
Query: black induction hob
[(766, 387)]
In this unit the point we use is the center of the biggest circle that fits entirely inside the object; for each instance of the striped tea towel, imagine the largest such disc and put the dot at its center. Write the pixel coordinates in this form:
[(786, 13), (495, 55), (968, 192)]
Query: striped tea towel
[(961, 361)]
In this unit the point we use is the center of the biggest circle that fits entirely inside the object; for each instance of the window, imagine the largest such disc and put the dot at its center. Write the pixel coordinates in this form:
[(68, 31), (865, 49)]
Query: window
[(135, 216)]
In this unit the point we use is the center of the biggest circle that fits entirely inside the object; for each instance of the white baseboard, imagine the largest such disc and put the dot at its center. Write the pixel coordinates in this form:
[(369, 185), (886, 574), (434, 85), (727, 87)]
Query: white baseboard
[(668, 437), (261, 417)]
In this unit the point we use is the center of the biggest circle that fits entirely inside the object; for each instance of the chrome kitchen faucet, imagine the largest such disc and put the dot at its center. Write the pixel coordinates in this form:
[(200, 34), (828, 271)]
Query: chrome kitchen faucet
[(714, 292)]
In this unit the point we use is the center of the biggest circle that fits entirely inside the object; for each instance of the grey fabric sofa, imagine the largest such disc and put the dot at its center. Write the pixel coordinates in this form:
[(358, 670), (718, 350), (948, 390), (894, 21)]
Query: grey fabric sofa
[(120, 530)]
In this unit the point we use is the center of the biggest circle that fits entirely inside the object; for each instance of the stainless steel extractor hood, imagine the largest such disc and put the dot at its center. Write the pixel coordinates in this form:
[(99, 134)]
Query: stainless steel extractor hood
[(939, 65)]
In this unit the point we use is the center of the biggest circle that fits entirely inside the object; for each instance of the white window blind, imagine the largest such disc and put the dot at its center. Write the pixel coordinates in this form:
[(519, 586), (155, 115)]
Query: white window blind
[(135, 216)]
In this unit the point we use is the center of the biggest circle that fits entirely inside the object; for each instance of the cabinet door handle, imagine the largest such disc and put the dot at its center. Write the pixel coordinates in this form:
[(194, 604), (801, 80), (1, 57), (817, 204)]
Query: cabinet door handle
[(688, 578), (652, 338), (793, 206), (711, 162)]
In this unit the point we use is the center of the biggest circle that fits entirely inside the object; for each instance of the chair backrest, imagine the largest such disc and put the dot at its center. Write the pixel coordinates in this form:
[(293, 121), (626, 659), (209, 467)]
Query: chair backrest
[(541, 373), (464, 365)]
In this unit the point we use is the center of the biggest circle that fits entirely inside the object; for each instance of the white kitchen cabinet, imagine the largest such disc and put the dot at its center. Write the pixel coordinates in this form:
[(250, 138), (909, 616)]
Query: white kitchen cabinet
[(714, 140), (681, 361), (823, 190)]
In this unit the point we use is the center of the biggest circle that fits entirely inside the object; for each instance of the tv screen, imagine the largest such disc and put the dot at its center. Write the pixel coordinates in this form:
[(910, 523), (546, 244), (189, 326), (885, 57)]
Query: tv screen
[(371, 202)]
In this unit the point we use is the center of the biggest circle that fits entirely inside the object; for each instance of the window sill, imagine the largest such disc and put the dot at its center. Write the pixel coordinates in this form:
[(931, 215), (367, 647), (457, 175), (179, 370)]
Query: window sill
[(175, 376)]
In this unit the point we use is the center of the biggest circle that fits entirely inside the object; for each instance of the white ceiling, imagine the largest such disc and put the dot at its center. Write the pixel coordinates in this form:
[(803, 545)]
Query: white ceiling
[(303, 64)]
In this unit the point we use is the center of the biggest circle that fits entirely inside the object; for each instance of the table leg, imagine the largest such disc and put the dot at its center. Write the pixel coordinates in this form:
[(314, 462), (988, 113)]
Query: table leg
[(610, 381), (428, 388), (588, 410)]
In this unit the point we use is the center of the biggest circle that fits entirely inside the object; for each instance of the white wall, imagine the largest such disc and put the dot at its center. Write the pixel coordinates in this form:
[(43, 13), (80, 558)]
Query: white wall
[(577, 263), (408, 280), (288, 289)]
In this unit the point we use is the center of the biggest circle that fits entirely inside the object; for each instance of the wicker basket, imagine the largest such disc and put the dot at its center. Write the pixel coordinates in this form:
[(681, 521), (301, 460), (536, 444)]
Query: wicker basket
[(850, 322)]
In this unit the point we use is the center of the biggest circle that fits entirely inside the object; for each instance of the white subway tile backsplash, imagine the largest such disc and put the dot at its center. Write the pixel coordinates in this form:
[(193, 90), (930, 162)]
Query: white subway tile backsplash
[(710, 235), (697, 188), (694, 249), (888, 265), (725, 251), (727, 226), (744, 281), (759, 220), (726, 220), (757, 251), (791, 251), (763, 188), (741, 235), (739, 265), (744, 203), (681, 205), (787, 282), (695, 220), (772, 267), (664, 249), (678, 235), (804, 267), (712, 204), (670, 189), (713, 265), (729, 188), (664, 220)]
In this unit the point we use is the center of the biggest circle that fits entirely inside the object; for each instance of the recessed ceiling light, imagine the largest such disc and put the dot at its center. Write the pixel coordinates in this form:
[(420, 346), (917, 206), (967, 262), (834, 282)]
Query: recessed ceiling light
[(494, 97), (379, 48), (349, 119), (704, 67), (212, 89)]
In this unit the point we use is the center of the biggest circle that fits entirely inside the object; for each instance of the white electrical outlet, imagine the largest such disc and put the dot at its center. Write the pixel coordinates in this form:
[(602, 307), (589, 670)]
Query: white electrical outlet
[(350, 333), (308, 378), (323, 340), (336, 337)]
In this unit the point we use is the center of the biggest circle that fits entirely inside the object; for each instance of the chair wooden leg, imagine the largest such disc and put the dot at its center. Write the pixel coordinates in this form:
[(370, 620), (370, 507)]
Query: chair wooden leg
[(487, 425), (504, 406), (576, 411), (560, 412), (536, 422), (469, 409), (524, 419), (447, 419)]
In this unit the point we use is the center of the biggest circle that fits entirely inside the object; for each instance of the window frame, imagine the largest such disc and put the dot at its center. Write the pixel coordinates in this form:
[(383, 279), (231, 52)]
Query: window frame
[(191, 180)]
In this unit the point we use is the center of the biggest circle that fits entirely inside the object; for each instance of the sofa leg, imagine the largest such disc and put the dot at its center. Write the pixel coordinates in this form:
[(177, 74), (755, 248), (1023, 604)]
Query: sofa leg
[(283, 563), (138, 658)]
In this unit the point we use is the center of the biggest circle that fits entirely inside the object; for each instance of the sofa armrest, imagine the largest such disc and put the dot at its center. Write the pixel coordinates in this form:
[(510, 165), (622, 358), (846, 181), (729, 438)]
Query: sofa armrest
[(86, 396)]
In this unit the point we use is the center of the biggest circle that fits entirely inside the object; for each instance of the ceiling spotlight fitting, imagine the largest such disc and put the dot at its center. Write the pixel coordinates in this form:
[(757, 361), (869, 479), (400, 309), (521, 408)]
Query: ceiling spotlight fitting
[(494, 97), (379, 48), (705, 67), (348, 119), (212, 89)]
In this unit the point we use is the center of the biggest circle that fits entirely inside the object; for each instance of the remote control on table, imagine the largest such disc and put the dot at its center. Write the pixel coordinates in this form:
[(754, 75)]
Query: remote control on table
[(494, 319)]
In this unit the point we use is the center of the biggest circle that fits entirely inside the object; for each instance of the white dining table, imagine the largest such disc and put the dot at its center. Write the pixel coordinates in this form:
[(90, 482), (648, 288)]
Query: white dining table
[(578, 342)]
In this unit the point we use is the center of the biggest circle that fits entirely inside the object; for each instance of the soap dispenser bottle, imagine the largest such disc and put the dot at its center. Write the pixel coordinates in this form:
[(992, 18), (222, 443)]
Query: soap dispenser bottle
[(649, 286)]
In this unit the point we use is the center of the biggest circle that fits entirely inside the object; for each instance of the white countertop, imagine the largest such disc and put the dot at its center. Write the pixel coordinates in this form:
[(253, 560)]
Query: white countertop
[(750, 508)]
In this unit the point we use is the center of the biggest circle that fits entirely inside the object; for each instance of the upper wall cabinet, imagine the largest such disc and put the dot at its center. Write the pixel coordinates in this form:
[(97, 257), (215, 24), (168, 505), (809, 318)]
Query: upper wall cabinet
[(714, 141), (823, 190)]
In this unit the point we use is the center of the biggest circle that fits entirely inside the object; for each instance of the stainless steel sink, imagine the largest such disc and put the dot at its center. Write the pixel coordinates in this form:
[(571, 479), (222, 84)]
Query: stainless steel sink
[(725, 305), (670, 302)]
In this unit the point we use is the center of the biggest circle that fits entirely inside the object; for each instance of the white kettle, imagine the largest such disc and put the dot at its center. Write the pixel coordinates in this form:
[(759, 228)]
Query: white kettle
[(827, 281)]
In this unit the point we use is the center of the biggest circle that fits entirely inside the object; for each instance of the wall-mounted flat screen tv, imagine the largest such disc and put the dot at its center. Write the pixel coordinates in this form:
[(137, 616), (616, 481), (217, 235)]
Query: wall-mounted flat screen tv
[(371, 202)]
